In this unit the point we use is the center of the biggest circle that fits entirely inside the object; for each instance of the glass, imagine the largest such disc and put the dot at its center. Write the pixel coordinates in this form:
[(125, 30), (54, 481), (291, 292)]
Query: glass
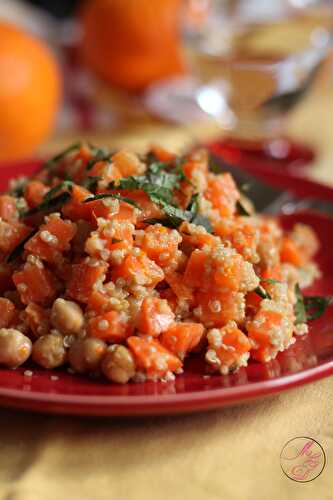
[(252, 62)]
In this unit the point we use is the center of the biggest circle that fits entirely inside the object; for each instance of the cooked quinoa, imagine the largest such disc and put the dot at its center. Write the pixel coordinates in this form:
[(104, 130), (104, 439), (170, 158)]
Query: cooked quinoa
[(123, 266)]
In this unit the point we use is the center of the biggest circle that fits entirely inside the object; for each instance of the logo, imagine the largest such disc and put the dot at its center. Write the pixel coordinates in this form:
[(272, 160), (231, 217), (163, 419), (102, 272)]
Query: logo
[(302, 459)]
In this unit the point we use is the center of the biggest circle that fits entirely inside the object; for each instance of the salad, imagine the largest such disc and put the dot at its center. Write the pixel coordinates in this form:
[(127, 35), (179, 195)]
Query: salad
[(122, 266)]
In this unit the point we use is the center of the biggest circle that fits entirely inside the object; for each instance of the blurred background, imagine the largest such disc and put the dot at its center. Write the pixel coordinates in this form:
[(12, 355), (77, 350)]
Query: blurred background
[(254, 76)]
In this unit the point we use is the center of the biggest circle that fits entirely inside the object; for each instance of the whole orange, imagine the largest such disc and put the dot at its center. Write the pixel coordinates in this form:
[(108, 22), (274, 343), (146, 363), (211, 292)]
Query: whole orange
[(131, 43), (30, 90)]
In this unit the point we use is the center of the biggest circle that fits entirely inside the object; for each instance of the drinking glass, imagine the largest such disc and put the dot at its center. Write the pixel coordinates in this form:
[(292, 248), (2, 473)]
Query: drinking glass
[(251, 63)]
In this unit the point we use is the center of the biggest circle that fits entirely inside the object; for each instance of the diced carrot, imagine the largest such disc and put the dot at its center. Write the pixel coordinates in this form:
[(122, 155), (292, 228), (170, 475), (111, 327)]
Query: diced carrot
[(138, 269), (197, 162), (7, 311), (127, 163), (84, 277), (222, 192), (155, 316), (11, 234), (104, 209), (195, 269), (34, 193), (217, 308), (78, 164), (224, 227), (230, 274), (38, 319), (107, 171), (149, 210), (75, 209), (229, 345), (153, 358), (253, 301), (197, 240), (273, 273), (176, 282), (8, 208), (161, 153), (52, 238), (290, 253), (181, 338), (35, 283), (112, 327), (122, 234), (160, 243), (245, 241), (99, 302), (261, 330)]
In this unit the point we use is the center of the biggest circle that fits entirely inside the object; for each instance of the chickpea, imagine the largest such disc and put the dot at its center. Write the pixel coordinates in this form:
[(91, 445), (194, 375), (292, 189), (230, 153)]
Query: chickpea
[(85, 355), (67, 316), (48, 351), (15, 348), (118, 364)]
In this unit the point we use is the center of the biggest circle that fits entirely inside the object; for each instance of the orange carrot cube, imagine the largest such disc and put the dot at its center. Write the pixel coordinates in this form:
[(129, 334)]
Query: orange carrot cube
[(111, 327), (181, 338), (155, 316), (153, 358)]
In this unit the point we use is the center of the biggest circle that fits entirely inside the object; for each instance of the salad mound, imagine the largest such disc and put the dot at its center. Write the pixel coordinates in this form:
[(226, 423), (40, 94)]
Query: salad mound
[(122, 266)]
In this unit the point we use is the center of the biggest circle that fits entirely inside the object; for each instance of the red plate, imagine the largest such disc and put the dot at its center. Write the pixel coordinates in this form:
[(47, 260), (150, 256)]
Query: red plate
[(309, 359)]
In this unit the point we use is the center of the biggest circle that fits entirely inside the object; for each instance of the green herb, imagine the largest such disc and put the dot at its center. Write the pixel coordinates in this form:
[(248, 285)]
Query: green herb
[(100, 154), (316, 306), (270, 281), (299, 307), (53, 161), (115, 240), (20, 247), (175, 216), (18, 191), (53, 204), (112, 195), (63, 185), (214, 167), (129, 183), (198, 219), (91, 182), (241, 209), (166, 221), (309, 308), (262, 293), (158, 183)]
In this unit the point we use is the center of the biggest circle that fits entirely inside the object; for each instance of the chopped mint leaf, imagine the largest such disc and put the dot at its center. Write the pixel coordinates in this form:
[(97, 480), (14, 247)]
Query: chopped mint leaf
[(112, 195)]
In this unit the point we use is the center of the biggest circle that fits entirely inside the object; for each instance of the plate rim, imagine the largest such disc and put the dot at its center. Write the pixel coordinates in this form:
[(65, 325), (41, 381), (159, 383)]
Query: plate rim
[(114, 405), (152, 404)]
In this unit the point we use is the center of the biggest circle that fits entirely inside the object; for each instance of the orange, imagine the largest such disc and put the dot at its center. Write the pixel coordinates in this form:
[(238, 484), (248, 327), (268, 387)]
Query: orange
[(30, 92), (132, 43)]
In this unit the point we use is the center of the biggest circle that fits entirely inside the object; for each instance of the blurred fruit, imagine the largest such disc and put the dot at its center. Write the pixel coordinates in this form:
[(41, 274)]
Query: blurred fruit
[(30, 91), (132, 43), (196, 12)]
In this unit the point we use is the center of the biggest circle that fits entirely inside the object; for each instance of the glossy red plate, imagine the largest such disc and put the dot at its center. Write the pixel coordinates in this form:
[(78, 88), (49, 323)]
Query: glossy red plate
[(309, 359)]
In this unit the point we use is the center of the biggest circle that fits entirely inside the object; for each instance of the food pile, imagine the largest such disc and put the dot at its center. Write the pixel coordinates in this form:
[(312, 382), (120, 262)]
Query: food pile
[(123, 265)]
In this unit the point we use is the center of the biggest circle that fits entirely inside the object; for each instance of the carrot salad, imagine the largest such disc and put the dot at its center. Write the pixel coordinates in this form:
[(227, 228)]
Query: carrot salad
[(122, 266)]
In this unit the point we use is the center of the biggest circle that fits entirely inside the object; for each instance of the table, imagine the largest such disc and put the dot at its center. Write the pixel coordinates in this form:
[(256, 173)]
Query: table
[(229, 454)]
